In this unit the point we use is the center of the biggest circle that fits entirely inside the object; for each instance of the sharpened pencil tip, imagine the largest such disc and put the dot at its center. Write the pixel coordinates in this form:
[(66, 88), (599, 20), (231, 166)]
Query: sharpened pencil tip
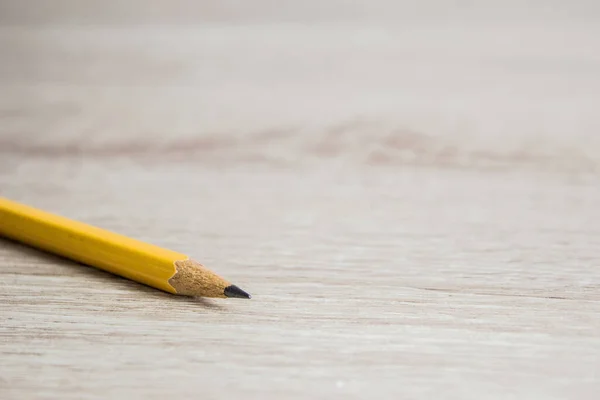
[(234, 291)]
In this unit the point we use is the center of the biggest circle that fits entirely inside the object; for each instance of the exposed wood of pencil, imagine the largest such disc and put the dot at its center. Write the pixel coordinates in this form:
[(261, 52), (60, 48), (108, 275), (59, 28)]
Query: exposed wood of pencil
[(142, 262)]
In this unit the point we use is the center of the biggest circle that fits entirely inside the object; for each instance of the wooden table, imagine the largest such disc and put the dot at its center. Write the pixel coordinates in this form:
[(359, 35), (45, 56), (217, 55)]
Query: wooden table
[(414, 207)]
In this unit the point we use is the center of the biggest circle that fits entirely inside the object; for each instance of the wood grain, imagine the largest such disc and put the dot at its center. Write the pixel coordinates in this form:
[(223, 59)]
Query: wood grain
[(414, 208)]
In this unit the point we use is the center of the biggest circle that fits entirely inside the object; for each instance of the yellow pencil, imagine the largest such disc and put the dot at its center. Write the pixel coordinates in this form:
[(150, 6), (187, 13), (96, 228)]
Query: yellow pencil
[(145, 263)]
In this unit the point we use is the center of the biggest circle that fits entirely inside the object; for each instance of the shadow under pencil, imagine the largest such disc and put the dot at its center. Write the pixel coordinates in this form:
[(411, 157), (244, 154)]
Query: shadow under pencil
[(50, 264)]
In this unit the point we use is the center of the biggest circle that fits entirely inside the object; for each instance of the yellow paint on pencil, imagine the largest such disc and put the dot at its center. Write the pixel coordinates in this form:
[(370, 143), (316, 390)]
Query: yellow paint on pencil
[(139, 261)]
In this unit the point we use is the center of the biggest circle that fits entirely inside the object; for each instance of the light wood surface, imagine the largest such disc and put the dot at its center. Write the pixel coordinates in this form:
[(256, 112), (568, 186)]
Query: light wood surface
[(410, 195)]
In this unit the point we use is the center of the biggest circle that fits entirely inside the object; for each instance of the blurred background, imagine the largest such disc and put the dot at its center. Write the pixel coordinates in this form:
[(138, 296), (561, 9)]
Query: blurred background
[(446, 83)]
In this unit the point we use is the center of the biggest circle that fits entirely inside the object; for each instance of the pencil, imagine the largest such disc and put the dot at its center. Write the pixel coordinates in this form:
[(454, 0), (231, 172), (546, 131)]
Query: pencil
[(145, 263)]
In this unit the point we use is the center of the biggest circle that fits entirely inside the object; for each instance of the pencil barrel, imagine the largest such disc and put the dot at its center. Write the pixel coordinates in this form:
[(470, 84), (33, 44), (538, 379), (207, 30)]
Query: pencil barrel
[(120, 255)]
